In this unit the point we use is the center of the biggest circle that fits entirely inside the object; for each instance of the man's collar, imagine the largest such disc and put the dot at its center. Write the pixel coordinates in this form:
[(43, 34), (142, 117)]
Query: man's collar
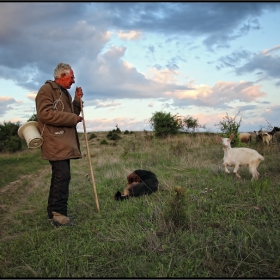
[(61, 87)]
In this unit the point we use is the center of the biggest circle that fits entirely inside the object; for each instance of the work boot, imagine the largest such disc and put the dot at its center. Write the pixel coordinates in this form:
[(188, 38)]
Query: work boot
[(60, 220), (57, 224)]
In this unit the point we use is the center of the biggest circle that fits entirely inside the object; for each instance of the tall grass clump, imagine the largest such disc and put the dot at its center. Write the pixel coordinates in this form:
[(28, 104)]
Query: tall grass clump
[(176, 211)]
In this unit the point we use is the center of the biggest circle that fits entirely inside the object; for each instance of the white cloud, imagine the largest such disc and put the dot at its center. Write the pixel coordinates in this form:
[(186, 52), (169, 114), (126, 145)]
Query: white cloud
[(131, 35), (220, 94), (32, 96), (164, 76), (265, 52)]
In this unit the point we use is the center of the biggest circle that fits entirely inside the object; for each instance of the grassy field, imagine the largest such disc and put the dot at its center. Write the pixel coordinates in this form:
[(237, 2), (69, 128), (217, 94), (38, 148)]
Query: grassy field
[(201, 223)]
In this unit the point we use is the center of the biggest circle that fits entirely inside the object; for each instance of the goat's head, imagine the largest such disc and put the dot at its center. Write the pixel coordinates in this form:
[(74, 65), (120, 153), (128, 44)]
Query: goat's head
[(226, 141)]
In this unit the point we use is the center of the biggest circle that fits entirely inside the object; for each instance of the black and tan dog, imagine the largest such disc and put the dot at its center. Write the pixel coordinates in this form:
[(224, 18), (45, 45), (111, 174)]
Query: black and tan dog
[(140, 182)]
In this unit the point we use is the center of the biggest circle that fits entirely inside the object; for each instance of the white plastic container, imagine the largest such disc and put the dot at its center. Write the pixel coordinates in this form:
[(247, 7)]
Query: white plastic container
[(29, 131)]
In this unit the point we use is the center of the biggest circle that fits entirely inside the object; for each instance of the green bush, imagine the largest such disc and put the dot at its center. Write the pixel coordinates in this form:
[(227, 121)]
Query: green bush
[(164, 124), (92, 136), (112, 135), (14, 144), (117, 130), (9, 139), (103, 142), (115, 136)]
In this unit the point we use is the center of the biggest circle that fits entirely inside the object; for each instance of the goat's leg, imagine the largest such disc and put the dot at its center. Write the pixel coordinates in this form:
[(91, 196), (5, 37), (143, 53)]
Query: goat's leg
[(257, 175), (254, 172), (253, 169), (225, 166), (236, 167)]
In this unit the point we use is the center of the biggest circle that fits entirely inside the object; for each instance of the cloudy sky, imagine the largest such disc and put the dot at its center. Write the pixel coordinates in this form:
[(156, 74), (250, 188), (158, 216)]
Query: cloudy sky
[(199, 59)]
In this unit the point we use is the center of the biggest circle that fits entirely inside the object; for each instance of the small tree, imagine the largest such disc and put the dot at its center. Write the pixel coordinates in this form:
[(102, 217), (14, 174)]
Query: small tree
[(191, 123), (230, 125), (165, 124)]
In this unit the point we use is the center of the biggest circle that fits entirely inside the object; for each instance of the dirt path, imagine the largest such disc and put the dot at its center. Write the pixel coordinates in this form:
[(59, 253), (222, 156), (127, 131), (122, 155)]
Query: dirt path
[(13, 186), (16, 193)]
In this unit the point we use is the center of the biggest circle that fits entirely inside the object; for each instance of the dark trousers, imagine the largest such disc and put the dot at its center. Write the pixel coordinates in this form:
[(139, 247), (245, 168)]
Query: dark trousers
[(59, 188)]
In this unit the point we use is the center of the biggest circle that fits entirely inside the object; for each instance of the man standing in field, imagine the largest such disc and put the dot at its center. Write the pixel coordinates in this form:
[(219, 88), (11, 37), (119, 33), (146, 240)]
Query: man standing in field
[(57, 117)]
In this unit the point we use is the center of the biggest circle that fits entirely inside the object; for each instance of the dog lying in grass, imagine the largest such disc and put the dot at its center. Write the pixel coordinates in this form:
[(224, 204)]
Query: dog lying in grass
[(140, 182)]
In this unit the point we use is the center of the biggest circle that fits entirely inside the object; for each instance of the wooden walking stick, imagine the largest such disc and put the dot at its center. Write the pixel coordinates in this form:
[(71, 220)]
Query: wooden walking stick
[(88, 156)]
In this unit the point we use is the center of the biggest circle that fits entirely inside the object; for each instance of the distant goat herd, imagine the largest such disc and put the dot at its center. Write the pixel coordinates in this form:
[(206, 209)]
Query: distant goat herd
[(264, 136)]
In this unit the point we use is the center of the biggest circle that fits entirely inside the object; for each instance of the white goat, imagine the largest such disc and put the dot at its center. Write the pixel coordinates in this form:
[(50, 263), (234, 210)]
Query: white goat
[(240, 156)]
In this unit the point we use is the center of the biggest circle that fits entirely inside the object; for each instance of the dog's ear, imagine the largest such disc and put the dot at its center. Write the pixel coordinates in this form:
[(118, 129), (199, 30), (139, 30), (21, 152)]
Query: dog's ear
[(137, 178), (133, 178), (130, 178), (118, 195)]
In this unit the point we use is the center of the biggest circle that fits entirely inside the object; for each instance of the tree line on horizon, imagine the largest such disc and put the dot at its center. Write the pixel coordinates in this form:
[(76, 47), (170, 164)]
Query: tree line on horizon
[(164, 124)]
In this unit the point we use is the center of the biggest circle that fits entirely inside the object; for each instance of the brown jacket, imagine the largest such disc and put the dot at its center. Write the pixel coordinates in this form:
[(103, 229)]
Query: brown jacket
[(57, 118)]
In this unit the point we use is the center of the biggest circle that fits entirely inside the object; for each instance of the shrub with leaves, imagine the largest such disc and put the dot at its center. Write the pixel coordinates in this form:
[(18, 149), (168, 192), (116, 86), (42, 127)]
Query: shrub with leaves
[(14, 144), (164, 124), (9, 139), (228, 126), (117, 130), (92, 136), (112, 135), (103, 142)]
